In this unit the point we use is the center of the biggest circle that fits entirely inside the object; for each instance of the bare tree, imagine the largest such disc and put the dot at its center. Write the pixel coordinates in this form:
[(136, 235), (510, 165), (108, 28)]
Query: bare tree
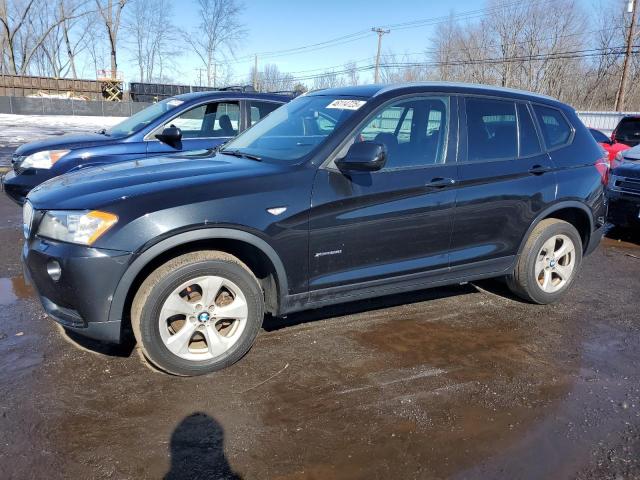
[(328, 80), (271, 79), (111, 15), (351, 73), (151, 35), (25, 25), (217, 34)]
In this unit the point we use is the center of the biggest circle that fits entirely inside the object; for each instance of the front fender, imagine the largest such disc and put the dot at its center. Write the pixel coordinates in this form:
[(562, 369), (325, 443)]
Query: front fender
[(142, 260)]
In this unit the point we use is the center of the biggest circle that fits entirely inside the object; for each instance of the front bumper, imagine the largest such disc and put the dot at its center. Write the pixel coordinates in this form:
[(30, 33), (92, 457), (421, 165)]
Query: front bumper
[(81, 299), (17, 186)]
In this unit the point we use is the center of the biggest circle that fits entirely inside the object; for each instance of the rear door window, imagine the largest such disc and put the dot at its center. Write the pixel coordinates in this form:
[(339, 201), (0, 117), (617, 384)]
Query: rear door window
[(555, 128), (529, 141), (492, 129)]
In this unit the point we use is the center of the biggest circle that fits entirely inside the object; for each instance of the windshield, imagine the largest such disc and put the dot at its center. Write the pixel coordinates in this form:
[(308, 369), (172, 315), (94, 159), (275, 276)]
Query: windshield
[(143, 118), (295, 129)]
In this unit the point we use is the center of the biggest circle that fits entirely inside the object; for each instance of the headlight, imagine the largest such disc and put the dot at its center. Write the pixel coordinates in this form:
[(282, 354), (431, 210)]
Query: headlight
[(82, 228), (44, 159)]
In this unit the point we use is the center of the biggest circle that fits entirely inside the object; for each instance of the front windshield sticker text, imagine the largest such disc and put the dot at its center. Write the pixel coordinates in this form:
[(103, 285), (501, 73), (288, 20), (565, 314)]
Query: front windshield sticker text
[(346, 104)]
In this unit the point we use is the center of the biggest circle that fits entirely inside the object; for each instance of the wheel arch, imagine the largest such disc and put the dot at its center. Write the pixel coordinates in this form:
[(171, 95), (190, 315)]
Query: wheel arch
[(575, 213), (259, 256)]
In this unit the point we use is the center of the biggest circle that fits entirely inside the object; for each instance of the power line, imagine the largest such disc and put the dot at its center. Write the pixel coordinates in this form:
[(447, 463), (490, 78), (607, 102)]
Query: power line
[(496, 60), (362, 34)]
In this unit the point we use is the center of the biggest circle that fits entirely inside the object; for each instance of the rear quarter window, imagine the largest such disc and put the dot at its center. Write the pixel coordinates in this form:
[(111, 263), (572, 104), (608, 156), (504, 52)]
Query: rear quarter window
[(555, 128)]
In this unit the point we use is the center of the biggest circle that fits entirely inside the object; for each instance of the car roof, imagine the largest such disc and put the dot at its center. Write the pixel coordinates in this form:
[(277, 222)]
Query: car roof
[(370, 91), (217, 94)]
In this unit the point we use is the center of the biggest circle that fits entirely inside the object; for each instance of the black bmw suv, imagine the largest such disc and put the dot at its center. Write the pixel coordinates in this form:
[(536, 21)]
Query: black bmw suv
[(340, 195)]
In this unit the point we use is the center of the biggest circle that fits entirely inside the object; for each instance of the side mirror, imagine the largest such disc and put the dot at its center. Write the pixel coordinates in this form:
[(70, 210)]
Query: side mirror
[(171, 135), (363, 157)]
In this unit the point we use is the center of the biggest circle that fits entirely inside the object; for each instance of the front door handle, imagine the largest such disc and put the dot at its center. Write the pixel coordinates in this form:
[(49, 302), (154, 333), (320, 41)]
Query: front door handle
[(539, 170), (440, 182)]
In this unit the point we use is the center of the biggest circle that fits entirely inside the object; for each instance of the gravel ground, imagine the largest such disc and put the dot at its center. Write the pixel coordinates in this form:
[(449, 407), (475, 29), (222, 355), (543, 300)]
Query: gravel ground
[(18, 129), (458, 382)]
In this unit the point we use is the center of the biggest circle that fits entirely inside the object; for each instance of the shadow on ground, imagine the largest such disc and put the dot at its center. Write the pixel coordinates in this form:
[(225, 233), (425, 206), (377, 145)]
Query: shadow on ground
[(629, 235), (197, 450)]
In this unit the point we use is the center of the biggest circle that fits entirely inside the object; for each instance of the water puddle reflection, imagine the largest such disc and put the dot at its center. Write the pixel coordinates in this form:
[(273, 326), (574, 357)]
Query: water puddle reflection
[(14, 289)]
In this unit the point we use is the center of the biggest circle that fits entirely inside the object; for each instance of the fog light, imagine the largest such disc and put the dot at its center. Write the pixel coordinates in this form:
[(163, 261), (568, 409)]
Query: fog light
[(54, 270)]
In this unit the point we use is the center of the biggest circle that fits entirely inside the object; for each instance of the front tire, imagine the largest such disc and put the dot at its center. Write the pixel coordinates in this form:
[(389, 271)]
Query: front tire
[(198, 313), (549, 262)]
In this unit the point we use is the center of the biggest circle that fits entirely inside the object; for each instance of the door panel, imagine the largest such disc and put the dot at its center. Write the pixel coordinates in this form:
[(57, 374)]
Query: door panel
[(397, 221), (374, 225), (498, 198)]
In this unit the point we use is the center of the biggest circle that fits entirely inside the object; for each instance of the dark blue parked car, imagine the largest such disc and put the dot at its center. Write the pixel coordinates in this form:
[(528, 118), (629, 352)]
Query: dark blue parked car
[(202, 121)]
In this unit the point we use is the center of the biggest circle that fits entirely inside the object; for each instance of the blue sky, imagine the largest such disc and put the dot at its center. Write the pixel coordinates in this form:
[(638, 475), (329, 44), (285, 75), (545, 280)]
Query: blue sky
[(274, 25)]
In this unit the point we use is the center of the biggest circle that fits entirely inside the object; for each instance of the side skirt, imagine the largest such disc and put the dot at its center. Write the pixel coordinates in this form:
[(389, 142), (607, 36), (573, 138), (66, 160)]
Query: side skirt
[(404, 283)]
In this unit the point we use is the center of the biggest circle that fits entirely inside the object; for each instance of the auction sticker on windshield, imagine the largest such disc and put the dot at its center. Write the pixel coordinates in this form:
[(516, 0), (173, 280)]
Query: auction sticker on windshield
[(175, 103), (346, 104)]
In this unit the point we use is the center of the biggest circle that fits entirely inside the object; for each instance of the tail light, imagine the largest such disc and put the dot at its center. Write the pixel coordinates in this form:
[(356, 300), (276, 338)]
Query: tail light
[(602, 165)]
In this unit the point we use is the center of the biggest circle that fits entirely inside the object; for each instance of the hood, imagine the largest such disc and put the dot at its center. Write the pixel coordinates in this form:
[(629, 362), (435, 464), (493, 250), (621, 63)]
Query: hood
[(188, 176), (65, 142), (632, 153), (627, 169)]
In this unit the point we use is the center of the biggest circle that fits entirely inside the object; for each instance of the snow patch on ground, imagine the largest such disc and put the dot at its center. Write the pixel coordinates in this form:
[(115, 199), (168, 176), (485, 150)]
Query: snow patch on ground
[(18, 129)]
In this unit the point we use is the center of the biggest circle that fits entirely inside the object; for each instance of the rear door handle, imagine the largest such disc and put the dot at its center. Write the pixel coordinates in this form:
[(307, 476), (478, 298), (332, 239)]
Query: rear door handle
[(539, 170), (439, 183)]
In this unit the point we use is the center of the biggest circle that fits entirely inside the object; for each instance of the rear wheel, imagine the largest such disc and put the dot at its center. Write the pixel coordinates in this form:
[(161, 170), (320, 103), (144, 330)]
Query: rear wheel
[(197, 313), (549, 262)]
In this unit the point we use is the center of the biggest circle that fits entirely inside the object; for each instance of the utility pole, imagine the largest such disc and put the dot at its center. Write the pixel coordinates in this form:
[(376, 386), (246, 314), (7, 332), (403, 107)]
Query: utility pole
[(255, 73), (200, 70), (380, 33), (633, 6)]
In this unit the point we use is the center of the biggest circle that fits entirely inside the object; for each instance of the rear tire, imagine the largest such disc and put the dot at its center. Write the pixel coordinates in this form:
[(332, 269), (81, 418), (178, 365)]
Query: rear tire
[(548, 263), (198, 313)]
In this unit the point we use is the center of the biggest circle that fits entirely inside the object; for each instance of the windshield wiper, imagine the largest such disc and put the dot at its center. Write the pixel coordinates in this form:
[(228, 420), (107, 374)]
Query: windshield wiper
[(103, 131), (239, 154)]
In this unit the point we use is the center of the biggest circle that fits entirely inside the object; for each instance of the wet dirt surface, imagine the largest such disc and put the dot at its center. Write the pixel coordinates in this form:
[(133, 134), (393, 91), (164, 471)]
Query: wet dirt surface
[(456, 382)]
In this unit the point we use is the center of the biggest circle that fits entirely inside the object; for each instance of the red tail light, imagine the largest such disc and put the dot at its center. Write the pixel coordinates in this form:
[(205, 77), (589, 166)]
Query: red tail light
[(602, 165)]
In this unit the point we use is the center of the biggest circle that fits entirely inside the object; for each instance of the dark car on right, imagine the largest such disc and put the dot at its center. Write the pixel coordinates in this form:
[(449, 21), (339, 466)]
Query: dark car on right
[(627, 131), (624, 194)]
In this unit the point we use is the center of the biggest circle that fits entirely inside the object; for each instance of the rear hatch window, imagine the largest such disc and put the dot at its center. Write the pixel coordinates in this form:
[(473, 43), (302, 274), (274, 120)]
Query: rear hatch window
[(629, 130)]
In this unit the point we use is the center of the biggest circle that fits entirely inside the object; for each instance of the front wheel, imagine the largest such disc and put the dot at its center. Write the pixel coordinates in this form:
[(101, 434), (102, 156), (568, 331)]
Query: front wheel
[(197, 313), (549, 262)]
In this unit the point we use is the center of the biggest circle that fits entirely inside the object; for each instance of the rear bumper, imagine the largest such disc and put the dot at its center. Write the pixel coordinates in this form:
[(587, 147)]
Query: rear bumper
[(81, 299)]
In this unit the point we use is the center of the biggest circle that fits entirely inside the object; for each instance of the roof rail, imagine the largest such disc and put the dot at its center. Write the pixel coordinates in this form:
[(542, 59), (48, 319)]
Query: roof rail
[(237, 88)]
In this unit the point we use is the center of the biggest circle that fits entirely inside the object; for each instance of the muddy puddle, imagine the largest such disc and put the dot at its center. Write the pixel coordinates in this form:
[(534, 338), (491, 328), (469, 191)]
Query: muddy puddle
[(435, 396), (14, 289)]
